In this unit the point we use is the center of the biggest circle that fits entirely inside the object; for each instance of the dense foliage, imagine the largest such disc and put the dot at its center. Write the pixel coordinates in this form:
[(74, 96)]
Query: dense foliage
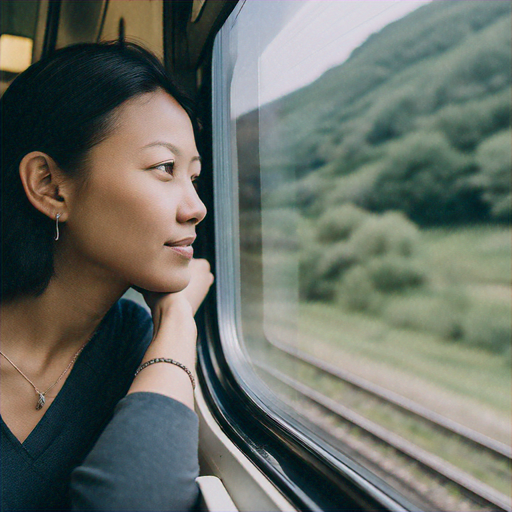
[(416, 120), (412, 131)]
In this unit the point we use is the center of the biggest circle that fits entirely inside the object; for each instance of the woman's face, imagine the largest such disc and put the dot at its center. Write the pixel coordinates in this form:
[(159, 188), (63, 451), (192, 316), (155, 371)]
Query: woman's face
[(135, 217)]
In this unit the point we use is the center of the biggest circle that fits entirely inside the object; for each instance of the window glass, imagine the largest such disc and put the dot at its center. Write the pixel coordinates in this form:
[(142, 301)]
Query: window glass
[(370, 153)]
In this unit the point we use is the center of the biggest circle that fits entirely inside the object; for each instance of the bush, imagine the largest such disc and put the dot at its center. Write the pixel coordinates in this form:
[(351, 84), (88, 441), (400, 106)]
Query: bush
[(494, 158), (485, 328), (393, 273), (421, 177), (391, 233), (382, 245), (334, 260), (467, 124), (356, 291), (433, 314), (312, 286), (507, 356), (339, 222), (320, 268), (351, 188)]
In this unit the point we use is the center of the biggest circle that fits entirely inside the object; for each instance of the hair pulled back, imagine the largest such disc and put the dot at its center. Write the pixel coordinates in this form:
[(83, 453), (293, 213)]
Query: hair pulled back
[(62, 106)]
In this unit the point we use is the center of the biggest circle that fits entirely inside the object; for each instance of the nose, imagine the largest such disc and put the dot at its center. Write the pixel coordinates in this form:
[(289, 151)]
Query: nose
[(191, 208)]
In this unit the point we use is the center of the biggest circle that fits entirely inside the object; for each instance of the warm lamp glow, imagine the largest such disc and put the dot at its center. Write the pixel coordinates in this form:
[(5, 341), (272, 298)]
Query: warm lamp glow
[(15, 53)]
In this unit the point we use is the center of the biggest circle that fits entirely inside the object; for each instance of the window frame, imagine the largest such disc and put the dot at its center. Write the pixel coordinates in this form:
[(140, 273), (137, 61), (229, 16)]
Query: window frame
[(298, 462)]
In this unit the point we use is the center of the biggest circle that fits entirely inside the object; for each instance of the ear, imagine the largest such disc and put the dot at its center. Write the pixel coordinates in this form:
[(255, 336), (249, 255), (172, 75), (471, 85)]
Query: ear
[(44, 184)]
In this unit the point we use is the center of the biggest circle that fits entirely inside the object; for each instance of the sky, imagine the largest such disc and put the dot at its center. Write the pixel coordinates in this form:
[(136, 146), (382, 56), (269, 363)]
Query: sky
[(319, 35)]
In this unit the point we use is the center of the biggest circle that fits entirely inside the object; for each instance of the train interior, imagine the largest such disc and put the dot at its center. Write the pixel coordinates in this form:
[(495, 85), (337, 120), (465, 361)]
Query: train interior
[(355, 352)]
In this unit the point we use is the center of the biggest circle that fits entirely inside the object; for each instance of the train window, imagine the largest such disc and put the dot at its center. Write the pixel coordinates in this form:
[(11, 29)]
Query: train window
[(18, 31), (362, 155)]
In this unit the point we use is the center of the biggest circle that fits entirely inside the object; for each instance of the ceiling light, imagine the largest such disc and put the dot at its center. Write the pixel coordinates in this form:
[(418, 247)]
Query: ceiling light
[(15, 53)]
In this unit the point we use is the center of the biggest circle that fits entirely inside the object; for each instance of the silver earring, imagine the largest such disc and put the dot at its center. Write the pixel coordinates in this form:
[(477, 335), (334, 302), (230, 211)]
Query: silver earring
[(57, 226)]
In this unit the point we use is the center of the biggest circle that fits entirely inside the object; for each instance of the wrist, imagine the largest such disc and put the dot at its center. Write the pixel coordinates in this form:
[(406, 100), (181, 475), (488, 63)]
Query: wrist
[(157, 360), (160, 347), (174, 335), (174, 307)]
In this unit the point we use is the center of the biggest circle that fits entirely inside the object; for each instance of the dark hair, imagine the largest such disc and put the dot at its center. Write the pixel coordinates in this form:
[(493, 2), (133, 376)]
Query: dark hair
[(62, 105)]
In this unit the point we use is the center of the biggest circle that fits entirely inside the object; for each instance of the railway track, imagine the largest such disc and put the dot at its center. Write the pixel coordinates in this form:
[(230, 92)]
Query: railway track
[(440, 422), (441, 469)]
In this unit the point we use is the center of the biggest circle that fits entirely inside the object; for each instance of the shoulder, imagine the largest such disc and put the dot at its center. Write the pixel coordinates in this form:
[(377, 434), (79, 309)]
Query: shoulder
[(126, 317), (136, 321), (133, 314)]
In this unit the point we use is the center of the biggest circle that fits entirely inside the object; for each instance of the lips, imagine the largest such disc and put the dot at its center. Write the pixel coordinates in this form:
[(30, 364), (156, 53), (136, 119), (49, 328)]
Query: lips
[(183, 247)]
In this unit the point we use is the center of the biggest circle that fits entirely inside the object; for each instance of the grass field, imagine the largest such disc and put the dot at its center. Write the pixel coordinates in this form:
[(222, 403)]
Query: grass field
[(414, 355), (428, 344), (471, 255), (418, 364)]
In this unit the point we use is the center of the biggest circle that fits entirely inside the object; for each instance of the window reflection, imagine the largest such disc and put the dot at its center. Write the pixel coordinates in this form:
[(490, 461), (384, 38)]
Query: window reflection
[(373, 149)]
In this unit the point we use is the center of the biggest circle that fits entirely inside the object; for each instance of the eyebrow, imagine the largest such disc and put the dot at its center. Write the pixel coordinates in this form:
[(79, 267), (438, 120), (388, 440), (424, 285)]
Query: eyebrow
[(172, 148)]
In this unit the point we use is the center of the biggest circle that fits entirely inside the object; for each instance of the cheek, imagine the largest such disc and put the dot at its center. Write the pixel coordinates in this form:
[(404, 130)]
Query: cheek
[(121, 227), (123, 224)]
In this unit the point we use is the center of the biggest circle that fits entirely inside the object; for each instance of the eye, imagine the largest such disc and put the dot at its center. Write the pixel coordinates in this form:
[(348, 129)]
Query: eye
[(167, 167), (195, 181)]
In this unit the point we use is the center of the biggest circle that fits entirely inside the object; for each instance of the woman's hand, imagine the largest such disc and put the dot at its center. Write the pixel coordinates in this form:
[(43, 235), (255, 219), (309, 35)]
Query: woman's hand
[(174, 336), (201, 279), (200, 282)]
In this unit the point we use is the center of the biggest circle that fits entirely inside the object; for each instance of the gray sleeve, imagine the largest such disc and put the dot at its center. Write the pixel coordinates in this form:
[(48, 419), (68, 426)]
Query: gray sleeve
[(145, 459)]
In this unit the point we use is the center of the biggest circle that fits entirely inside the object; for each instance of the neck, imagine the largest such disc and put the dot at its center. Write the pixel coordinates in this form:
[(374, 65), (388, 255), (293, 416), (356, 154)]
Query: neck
[(60, 320)]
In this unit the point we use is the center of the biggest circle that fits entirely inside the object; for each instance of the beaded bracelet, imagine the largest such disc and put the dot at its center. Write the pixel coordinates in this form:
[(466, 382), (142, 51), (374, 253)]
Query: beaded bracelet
[(170, 361)]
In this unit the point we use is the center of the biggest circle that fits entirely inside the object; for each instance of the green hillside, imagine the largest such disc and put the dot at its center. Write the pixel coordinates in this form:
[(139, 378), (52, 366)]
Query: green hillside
[(416, 120)]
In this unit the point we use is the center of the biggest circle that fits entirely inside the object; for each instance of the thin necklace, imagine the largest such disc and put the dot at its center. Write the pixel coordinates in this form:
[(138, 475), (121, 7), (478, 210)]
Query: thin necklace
[(42, 394)]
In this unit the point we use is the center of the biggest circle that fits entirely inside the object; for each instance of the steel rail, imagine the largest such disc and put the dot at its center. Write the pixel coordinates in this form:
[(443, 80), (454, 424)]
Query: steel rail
[(491, 445), (435, 465)]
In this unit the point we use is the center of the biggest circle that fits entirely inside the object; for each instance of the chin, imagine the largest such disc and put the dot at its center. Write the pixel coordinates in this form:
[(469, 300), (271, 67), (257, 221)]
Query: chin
[(167, 285)]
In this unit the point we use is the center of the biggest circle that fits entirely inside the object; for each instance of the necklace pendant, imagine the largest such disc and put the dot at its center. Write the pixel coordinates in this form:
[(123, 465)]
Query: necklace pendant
[(40, 402)]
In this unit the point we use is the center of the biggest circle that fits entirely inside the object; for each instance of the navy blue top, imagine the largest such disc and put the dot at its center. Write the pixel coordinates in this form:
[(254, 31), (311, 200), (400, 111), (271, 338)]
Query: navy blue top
[(97, 449)]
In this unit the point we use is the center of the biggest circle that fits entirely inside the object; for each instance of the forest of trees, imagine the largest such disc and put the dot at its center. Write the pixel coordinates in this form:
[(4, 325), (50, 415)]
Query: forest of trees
[(411, 133), (416, 120)]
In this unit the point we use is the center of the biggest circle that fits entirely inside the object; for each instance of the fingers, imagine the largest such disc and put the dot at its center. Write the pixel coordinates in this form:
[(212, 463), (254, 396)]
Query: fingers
[(201, 279), (200, 282)]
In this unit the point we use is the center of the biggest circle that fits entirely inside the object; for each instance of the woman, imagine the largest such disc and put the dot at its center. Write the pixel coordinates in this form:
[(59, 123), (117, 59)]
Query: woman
[(98, 168)]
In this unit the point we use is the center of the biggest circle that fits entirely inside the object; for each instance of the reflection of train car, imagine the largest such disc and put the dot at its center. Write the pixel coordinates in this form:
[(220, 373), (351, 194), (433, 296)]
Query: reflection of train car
[(355, 354)]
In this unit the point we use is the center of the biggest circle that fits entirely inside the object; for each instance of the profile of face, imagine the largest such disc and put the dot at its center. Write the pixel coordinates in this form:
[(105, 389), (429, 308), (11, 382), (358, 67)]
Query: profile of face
[(135, 218)]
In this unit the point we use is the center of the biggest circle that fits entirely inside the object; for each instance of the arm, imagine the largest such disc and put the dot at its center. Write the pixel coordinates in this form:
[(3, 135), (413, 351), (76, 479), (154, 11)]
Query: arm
[(174, 338), (146, 458), (173, 314)]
